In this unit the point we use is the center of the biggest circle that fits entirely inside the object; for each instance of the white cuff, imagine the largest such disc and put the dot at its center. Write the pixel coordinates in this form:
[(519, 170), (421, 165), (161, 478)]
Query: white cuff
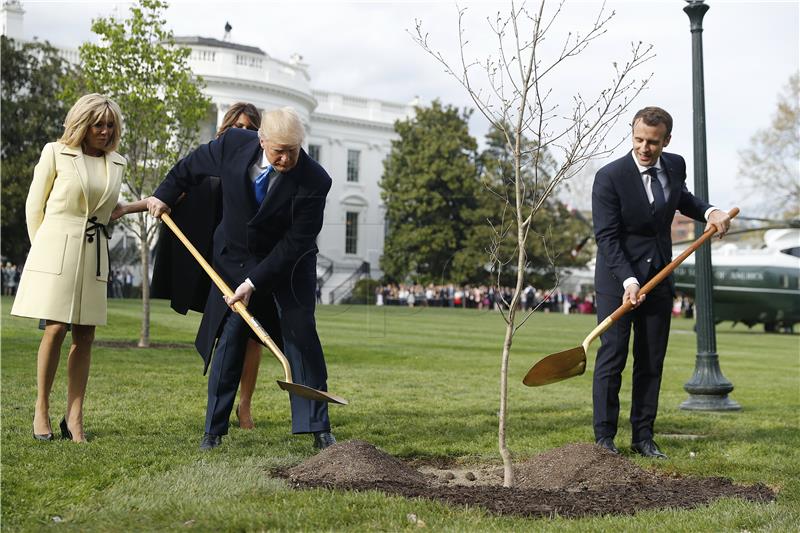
[(709, 211), (247, 280), (630, 281)]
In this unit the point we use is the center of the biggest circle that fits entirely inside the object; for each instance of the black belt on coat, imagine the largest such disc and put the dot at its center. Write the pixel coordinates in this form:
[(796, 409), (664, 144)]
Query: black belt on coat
[(94, 228)]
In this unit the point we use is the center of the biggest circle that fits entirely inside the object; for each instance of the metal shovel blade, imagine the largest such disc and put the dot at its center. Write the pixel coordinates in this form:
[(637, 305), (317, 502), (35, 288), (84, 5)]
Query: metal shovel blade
[(557, 367), (311, 394)]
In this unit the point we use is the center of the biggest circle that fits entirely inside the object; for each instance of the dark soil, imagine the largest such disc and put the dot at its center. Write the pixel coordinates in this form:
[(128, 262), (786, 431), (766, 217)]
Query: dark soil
[(572, 481)]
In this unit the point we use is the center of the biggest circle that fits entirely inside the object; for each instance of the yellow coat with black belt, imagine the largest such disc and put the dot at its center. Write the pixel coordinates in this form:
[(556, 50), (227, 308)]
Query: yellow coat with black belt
[(66, 273)]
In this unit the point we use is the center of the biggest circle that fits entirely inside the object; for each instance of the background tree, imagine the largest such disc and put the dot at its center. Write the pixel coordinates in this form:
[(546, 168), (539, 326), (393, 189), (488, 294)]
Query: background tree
[(138, 64), (509, 89), (556, 231), (32, 79), (771, 163), (429, 187)]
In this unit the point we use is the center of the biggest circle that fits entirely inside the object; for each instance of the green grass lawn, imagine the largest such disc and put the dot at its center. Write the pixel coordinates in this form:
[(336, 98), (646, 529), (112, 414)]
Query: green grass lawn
[(421, 382)]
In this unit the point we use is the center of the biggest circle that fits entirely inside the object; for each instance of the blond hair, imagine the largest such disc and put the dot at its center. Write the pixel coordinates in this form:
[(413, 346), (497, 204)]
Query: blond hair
[(282, 126), (87, 111)]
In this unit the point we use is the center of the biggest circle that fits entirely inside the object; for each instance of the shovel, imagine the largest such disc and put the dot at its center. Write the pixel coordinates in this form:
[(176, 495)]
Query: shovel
[(287, 384), (569, 363)]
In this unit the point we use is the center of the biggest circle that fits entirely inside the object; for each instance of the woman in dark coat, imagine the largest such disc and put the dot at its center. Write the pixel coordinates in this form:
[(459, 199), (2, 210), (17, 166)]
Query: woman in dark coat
[(176, 274)]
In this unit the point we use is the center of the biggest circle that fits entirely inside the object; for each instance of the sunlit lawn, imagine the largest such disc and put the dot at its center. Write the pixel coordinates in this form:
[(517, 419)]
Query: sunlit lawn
[(422, 382)]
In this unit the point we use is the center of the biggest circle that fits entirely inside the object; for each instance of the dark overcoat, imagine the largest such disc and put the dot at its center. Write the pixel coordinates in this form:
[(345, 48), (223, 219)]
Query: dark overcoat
[(273, 244), (177, 276)]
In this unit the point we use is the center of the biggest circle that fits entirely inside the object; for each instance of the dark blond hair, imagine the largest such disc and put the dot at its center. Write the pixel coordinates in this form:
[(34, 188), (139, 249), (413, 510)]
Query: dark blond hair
[(88, 110), (233, 113)]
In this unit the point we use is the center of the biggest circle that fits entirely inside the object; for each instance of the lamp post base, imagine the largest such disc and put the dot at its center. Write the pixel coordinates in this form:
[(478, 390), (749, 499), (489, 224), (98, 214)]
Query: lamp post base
[(709, 402), (708, 389)]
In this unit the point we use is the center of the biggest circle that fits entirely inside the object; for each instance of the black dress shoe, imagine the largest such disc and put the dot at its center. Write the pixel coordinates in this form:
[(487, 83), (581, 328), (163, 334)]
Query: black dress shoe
[(648, 448), (323, 439), (44, 436), (66, 434), (210, 442), (608, 444)]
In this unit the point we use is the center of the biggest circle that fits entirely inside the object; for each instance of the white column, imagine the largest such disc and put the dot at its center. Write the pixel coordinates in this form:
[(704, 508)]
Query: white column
[(12, 20)]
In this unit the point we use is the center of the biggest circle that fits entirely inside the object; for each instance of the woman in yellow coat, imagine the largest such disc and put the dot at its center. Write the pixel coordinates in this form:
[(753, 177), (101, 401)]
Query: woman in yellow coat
[(74, 192)]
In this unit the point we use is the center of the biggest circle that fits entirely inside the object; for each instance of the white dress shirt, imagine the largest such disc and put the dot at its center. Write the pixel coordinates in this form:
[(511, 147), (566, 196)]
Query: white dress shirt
[(255, 171), (646, 178)]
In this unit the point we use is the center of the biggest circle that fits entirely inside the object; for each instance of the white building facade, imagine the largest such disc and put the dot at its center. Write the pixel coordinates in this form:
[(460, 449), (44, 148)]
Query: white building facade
[(349, 135)]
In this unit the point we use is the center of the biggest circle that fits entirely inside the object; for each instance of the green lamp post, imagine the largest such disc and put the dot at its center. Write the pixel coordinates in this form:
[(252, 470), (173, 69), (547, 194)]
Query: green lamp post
[(708, 389)]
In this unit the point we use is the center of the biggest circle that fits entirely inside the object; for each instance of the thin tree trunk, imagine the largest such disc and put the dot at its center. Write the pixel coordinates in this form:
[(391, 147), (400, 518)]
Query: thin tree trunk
[(508, 465), (144, 252), (522, 259)]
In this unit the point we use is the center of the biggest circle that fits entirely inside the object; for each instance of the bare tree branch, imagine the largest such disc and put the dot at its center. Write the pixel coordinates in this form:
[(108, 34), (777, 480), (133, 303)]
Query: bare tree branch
[(510, 93)]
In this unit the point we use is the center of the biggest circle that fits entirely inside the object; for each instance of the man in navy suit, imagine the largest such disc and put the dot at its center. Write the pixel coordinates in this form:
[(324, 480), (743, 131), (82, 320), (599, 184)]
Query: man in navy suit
[(273, 197), (633, 203)]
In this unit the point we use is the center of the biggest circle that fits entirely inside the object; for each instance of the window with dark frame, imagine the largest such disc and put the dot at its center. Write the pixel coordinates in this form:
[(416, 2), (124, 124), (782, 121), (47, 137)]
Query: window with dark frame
[(353, 157), (351, 233), (314, 151)]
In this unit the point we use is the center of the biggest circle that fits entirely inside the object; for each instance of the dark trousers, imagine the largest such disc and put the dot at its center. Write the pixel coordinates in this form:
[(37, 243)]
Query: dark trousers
[(301, 347), (650, 322), (226, 371)]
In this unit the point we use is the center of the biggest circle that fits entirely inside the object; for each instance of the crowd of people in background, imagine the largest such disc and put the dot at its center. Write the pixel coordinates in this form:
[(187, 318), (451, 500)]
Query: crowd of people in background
[(683, 306), (10, 278), (493, 298), (483, 297), (120, 283)]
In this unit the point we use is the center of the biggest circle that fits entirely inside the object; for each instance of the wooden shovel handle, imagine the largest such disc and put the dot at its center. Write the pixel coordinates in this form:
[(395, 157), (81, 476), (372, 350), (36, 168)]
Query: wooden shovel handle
[(239, 307), (667, 270)]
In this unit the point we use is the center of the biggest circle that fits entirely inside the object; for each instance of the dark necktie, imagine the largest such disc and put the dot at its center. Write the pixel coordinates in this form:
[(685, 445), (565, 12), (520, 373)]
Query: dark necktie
[(261, 184), (659, 201)]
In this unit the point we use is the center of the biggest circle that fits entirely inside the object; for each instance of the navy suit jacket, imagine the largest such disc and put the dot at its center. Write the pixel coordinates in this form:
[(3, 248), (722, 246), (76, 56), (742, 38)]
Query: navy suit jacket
[(272, 244), (630, 235)]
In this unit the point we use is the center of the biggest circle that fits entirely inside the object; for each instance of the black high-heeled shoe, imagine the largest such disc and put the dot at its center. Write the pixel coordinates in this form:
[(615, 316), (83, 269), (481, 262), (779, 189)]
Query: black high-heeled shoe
[(66, 434), (44, 436)]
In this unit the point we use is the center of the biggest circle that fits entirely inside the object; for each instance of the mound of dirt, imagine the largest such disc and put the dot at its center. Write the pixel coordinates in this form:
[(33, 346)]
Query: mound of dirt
[(577, 467), (355, 462), (571, 481)]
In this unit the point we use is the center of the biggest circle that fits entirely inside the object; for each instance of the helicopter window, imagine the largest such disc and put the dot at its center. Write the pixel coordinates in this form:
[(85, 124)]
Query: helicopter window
[(792, 251), (785, 281)]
